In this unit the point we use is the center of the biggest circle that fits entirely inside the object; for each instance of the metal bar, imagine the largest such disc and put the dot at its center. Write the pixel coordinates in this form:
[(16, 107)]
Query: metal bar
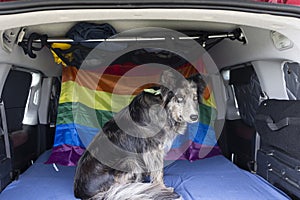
[(129, 39), (229, 35)]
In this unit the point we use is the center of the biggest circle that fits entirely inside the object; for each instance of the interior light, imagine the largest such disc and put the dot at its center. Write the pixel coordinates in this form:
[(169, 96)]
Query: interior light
[(280, 41)]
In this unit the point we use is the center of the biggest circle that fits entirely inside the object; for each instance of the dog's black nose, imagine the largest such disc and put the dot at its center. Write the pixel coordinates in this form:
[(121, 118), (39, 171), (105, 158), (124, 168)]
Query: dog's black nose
[(194, 117)]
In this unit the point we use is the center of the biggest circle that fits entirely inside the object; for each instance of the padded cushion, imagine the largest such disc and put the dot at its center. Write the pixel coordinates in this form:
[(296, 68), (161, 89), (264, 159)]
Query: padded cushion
[(18, 138)]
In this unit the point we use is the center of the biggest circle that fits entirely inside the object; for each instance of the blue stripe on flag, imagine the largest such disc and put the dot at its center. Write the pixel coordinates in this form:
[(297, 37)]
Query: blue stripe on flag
[(74, 135), (196, 132)]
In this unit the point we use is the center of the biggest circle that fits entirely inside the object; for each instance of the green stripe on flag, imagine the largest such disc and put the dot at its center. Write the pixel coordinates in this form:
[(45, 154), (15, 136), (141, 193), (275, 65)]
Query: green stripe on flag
[(207, 114), (75, 112)]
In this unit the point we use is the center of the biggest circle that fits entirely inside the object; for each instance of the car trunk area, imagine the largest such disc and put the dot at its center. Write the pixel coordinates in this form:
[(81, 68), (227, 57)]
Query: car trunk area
[(245, 58)]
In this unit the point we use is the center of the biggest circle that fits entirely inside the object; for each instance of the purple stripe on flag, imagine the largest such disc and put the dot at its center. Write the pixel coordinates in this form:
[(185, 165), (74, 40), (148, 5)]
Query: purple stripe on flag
[(192, 151), (65, 155), (197, 151)]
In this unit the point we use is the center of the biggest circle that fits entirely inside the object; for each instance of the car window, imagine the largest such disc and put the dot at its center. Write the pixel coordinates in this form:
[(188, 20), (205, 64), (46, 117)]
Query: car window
[(292, 80)]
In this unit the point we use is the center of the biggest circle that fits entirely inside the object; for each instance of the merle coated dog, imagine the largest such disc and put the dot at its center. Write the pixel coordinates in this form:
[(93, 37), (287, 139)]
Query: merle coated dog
[(132, 145)]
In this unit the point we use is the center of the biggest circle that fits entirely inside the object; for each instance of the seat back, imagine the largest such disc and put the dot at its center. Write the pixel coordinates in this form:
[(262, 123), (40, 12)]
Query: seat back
[(244, 89), (278, 159), (23, 138)]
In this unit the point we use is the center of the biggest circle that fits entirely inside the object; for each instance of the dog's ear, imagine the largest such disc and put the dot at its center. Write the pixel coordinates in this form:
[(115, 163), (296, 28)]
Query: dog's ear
[(200, 82), (138, 111), (168, 79), (153, 99), (139, 107)]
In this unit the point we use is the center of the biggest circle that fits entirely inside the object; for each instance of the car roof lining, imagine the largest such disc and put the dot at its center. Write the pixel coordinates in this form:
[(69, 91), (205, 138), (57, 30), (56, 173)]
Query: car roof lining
[(55, 23)]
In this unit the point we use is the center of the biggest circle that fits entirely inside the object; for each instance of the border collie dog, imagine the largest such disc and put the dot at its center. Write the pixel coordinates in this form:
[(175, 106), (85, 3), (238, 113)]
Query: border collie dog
[(132, 145)]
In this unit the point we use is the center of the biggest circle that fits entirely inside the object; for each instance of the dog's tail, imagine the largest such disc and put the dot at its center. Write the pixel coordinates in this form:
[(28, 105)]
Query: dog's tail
[(138, 191)]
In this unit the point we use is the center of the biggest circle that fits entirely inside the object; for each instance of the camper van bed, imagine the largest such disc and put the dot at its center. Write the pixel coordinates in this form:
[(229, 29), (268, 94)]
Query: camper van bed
[(210, 178)]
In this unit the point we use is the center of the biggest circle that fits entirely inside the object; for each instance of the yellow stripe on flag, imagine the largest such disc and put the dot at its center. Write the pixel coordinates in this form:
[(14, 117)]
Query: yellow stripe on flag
[(210, 101), (99, 100)]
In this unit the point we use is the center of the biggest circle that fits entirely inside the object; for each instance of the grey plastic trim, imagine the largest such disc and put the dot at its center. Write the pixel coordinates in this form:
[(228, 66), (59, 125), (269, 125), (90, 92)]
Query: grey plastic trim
[(45, 99), (33, 101), (4, 70), (5, 130), (270, 75)]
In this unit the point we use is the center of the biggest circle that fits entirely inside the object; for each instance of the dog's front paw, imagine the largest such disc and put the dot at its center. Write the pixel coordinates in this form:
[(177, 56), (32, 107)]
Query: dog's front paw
[(170, 189), (171, 194)]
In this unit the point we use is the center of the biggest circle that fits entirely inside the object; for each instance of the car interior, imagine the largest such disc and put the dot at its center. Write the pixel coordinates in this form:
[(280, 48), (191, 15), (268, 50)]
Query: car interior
[(249, 60)]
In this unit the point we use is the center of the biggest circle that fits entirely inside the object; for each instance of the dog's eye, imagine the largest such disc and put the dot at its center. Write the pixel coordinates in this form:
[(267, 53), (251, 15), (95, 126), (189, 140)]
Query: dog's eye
[(179, 99), (195, 98)]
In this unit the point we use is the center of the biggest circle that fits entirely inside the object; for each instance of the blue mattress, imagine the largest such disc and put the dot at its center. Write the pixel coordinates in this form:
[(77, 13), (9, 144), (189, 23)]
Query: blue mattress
[(211, 178)]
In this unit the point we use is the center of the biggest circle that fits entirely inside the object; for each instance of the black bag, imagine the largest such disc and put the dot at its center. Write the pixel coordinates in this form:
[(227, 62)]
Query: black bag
[(85, 31), (278, 124), (80, 32), (278, 159), (280, 170)]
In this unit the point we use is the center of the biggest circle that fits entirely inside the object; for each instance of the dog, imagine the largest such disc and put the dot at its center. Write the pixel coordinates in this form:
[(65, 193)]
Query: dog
[(133, 143)]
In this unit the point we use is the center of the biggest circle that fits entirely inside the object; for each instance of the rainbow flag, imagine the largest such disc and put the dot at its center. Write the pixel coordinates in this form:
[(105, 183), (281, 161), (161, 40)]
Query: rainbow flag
[(89, 98)]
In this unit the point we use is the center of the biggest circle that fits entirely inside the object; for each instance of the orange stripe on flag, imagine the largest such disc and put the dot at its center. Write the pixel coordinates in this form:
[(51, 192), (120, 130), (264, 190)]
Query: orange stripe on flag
[(123, 85)]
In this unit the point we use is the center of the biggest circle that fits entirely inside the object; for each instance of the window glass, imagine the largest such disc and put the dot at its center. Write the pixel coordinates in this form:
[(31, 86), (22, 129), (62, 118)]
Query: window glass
[(292, 80)]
